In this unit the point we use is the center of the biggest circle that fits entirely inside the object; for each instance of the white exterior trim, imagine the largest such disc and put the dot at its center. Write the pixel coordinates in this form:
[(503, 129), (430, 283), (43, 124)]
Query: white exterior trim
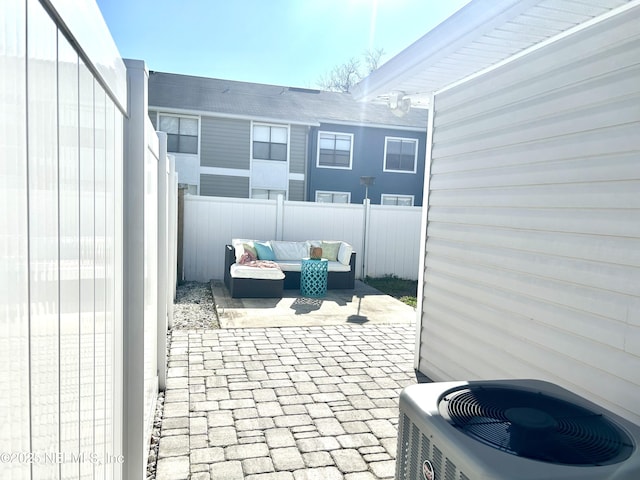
[(423, 234), (227, 172)]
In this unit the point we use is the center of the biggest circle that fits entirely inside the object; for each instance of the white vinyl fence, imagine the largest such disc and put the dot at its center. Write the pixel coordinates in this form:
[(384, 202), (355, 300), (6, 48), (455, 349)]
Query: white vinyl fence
[(390, 246), (87, 247), (150, 199)]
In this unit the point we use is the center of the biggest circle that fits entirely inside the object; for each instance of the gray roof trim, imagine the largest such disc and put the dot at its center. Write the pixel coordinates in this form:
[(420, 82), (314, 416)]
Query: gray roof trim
[(204, 113), (373, 125)]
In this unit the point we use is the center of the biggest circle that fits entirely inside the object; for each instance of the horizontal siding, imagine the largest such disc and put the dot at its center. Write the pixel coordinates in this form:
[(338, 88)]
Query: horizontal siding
[(298, 156), (609, 142), (532, 267), (225, 143), (296, 190), (224, 186)]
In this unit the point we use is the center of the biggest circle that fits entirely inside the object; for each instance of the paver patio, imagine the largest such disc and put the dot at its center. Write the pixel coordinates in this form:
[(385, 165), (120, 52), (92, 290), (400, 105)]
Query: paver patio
[(293, 403)]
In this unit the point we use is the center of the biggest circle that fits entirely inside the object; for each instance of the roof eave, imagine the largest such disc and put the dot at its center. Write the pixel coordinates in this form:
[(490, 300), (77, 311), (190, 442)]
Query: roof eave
[(471, 21)]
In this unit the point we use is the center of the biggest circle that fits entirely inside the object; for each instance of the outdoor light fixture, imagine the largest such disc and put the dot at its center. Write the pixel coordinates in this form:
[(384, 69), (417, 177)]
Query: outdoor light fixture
[(399, 103), (367, 182)]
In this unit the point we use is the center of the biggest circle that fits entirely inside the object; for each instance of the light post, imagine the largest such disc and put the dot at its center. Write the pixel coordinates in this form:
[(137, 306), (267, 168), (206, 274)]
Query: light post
[(367, 182)]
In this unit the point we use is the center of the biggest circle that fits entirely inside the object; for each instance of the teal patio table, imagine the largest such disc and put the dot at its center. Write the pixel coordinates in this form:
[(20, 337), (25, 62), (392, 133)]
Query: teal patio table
[(313, 277)]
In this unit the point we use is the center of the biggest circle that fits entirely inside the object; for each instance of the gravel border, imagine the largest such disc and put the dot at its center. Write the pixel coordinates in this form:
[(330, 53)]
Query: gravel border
[(193, 309)]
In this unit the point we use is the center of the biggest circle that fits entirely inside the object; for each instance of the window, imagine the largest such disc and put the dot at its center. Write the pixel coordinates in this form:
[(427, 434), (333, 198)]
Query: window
[(182, 133), (265, 194), (270, 142), (332, 197), (400, 154), (404, 200), (334, 149)]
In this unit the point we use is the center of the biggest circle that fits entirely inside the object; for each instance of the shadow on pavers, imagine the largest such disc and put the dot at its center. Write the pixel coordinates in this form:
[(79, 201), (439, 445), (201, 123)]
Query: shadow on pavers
[(362, 305)]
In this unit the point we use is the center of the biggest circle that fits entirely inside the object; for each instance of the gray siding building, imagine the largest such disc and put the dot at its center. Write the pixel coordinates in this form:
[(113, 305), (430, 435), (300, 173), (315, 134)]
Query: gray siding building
[(247, 140)]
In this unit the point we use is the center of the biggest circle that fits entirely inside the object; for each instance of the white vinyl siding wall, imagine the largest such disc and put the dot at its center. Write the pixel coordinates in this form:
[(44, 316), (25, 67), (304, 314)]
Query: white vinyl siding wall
[(532, 264)]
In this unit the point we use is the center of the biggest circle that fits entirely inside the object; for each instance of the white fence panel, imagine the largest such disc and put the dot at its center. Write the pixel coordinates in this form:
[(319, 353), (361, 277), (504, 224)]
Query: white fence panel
[(147, 235), (211, 222), (307, 221), (393, 241), (322, 221), (61, 157)]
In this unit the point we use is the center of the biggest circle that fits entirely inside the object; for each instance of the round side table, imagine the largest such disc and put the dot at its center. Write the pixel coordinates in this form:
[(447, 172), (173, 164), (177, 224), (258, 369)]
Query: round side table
[(313, 277)]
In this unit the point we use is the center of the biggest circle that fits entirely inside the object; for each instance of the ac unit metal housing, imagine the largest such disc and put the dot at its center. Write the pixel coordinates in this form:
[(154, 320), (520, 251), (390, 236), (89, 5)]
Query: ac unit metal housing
[(431, 448)]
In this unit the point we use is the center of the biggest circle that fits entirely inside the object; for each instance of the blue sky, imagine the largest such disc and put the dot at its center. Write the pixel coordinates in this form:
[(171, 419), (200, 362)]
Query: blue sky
[(281, 42)]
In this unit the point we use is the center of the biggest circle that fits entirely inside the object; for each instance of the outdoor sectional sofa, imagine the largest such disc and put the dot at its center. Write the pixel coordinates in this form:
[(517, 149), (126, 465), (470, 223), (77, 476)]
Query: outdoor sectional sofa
[(252, 281)]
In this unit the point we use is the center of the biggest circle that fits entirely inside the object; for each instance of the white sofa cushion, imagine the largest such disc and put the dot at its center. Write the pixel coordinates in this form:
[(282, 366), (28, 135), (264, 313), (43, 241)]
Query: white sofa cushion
[(296, 266), (290, 250), (244, 271)]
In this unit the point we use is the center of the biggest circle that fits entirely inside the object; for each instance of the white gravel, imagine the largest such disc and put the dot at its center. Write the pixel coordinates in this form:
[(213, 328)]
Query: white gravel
[(194, 307)]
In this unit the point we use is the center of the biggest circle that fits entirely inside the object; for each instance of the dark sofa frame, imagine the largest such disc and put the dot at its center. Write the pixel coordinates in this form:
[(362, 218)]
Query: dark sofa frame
[(258, 288)]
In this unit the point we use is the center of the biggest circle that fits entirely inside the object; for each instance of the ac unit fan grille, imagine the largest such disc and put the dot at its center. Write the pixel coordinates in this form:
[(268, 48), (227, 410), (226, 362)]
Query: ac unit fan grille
[(535, 426)]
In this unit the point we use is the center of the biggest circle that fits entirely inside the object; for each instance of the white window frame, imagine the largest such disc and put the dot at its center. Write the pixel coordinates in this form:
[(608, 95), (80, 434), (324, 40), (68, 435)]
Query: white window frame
[(277, 125), (197, 118), (415, 157), (332, 192), (350, 135), (397, 195)]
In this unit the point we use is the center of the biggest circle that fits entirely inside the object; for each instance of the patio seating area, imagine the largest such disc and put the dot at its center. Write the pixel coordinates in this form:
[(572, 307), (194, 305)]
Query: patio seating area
[(296, 402)]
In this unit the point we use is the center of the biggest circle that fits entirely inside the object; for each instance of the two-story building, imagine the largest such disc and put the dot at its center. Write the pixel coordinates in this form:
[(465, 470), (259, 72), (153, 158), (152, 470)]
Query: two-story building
[(248, 140)]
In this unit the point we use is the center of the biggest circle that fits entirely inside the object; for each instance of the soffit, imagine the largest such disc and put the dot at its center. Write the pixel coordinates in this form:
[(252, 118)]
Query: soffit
[(480, 35)]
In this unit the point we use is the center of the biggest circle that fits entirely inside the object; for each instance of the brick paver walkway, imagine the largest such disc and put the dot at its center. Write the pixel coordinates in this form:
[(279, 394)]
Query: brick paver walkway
[(299, 403)]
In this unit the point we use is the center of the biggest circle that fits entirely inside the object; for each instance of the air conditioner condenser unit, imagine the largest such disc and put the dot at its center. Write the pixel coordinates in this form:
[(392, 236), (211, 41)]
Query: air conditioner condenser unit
[(511, 430)]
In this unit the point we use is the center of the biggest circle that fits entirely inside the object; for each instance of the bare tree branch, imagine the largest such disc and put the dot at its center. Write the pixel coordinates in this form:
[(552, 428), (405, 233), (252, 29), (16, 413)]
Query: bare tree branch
[(372, 58), (344, 76)]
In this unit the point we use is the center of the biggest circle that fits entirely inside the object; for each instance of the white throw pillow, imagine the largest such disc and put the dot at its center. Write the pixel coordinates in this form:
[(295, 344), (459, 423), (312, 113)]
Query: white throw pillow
[(344, 254), (236, 243)]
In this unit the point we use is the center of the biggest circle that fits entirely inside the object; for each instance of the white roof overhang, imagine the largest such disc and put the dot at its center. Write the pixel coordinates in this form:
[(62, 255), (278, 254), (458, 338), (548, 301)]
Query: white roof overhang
[(482, 34)]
